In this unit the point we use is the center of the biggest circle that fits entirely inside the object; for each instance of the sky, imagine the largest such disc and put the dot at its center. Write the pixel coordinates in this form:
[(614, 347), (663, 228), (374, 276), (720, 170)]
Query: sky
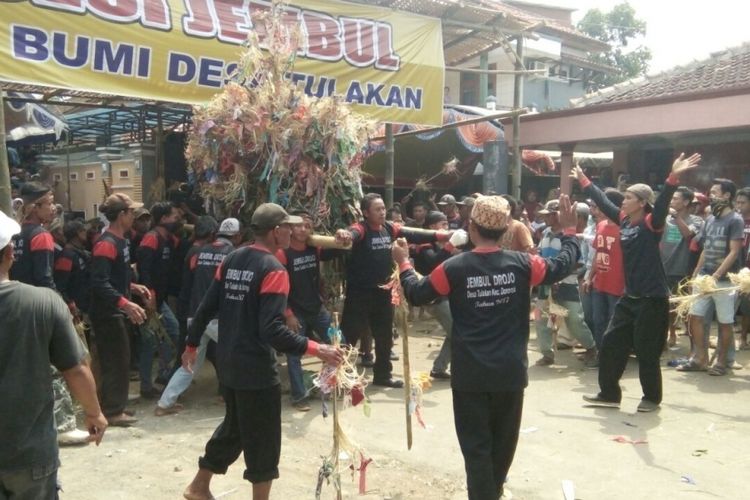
[(679, 32)]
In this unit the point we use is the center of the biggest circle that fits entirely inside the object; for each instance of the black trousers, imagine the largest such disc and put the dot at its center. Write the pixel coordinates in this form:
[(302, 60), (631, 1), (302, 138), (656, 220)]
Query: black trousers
[(640, 324), (111, 336), (370, 310), (252, 425), (487, 425)]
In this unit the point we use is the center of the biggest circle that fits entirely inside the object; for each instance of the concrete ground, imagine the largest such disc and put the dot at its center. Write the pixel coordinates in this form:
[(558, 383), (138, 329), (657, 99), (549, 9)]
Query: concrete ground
[(695, 447)]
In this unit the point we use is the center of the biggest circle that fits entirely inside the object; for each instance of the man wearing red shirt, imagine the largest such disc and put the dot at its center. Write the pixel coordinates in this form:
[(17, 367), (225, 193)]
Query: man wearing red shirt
[(742, 206)]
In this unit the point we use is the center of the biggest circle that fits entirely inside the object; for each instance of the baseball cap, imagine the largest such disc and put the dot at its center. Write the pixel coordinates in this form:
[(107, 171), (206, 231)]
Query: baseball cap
[(491, 212), (551, 207), (467, 201), (141, 212), (118, 202), (642, 191), (32, 191), (8, 229), (205, 226), (270, 215), (433, 217), (447, 199), (229, 227)]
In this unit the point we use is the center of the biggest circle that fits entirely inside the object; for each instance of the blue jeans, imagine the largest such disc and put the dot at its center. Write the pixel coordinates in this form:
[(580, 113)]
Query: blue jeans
[(182, 378), (708, 320), (148, 344), (603, 309), (319, 324), (442, 313), (36, 483), (587, 303), (573, 321)]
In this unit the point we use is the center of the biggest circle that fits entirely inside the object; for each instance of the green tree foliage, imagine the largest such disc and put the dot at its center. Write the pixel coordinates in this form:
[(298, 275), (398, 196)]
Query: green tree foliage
[(620, 28)]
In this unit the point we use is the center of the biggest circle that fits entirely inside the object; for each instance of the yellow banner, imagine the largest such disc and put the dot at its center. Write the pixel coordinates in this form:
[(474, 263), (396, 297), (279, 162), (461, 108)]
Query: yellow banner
[(388, 64)]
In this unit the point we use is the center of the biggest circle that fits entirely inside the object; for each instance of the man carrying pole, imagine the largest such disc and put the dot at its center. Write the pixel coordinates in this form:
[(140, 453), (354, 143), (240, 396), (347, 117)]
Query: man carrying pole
[(488, 291)]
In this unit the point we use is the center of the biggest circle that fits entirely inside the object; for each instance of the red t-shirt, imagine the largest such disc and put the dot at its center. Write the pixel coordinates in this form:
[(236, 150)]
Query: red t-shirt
[(610, 276)]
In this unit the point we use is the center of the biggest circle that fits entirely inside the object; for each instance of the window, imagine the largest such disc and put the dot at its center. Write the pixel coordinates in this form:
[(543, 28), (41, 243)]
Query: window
[(57, 177), (124, 174), (74, 176), (90, 175)]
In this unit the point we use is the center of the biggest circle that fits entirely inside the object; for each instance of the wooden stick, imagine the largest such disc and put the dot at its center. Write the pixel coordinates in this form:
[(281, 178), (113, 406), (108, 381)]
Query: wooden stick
[(328, 242), (407, 375), (335, 402)]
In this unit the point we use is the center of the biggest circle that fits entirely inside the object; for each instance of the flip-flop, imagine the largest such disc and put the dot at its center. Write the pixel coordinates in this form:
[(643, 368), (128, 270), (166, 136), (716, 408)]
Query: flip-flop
[(717, 371), (691, 366)]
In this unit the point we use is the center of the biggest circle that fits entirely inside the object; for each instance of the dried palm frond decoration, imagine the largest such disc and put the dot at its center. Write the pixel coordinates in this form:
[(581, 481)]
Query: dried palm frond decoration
[(262, 139), (692, 290)]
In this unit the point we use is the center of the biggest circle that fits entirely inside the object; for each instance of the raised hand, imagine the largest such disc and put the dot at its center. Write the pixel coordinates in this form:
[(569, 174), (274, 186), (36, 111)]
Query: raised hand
[(682, 164), (567, 214), (577, 173)]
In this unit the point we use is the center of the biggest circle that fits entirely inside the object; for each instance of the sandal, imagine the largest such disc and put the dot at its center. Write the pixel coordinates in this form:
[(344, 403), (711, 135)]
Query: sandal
[(691, 366), (717, 371)]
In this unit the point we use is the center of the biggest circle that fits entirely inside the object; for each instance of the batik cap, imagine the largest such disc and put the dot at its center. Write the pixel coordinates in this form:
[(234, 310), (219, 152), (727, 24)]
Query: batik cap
[(491, 212)]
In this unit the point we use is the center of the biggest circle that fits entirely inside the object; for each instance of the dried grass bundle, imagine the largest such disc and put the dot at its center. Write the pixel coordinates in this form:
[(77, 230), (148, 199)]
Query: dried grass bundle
[(266, 140)]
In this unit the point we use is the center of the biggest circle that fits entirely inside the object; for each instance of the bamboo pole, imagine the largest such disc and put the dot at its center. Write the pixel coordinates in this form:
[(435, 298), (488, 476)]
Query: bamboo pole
[(5, 201), (407, 375), (335, 402)]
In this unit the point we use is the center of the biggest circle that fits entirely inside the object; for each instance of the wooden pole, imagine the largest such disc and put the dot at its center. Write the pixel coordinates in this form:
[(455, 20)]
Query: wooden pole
[(335, 402), (517, 100), (470, 121), (407, 375), (5, 201), (390, 166)]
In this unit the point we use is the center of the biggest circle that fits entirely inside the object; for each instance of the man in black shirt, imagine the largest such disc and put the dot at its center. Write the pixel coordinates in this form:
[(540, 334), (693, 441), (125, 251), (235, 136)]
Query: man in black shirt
[(249, 296), (155, 255), (34, 245), (200, 269), (111, 308), (370, 266), (306, 313), (641, 317), (72, 270), (489, 294)]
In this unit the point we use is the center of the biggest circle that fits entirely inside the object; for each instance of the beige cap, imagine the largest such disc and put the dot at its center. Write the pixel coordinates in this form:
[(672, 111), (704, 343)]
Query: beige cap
[(270, 215), (118, 202), (491, 212), (551, 207), (642, 191)]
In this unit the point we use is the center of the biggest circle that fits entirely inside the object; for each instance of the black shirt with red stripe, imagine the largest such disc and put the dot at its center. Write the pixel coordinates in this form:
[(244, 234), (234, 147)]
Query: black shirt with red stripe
[(370, 264), (640, 240), (154, 261), (200, 268), (489, 294), (428, 256), (72, 276), (110, 274), (249, 297), (34, 254), (303, 265)]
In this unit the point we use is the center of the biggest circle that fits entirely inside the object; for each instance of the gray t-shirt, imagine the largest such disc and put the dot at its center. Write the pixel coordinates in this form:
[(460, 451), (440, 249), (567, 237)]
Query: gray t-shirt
[(36, 331), (675, 250), (715, 237)]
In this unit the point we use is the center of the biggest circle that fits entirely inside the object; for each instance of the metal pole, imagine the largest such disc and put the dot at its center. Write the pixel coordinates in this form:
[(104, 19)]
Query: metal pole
[(389, 165), (67, 162), (517, 100), (5, 201)]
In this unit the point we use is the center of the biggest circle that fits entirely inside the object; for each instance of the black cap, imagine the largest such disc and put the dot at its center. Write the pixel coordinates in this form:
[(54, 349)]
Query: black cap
[(32, 191), (433, 217), (270, 215)]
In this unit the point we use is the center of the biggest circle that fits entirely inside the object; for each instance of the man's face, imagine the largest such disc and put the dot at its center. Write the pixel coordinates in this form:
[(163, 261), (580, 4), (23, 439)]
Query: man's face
[(300, 232), (448, 209), (442, 225), (531, 196), (420, 212), (678, 202), (375, 214), (283, 235), (465, 212), (126, 219), (742, 205), (550, 219), (141, 224), (172, 217), (716, 194), (45, 208), (631, 203)]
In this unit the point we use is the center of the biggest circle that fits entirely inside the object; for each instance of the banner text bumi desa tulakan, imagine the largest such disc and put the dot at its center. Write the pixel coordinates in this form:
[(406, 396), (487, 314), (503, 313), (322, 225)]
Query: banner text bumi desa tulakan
[(388, 64)]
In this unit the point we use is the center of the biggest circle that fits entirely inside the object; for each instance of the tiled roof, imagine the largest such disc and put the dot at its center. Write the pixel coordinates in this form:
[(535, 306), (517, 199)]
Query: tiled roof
[(723, 71)]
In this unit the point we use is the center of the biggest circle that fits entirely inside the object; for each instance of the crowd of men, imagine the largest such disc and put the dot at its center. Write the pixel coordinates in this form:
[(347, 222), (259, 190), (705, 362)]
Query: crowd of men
[(145, 291)]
